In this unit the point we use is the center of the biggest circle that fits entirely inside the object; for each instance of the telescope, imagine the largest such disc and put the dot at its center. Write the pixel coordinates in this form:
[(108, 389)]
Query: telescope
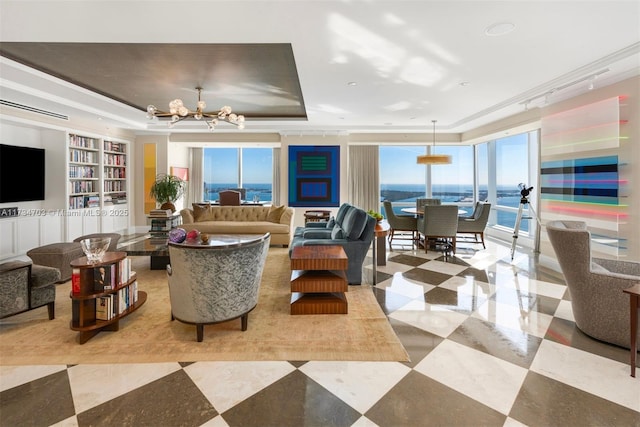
[(524, 201), (524, 191)]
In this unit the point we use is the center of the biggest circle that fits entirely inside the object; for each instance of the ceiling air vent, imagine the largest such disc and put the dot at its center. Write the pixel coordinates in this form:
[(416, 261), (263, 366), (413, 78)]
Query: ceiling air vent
[(33, 109)]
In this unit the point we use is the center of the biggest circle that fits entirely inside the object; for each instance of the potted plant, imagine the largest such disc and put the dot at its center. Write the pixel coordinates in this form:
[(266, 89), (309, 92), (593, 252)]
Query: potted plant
[(166, 190)]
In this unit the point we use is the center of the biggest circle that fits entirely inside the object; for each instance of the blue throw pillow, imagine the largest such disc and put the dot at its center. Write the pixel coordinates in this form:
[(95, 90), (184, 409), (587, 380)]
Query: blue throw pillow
[(342, 212), (337, 232), (354, 223)]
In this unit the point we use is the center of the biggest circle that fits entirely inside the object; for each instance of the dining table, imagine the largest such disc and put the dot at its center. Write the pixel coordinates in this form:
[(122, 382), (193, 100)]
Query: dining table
[(416, 211)]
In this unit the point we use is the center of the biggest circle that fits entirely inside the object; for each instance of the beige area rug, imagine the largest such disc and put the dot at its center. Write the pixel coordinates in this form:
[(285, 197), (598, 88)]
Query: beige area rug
[(149, 335)]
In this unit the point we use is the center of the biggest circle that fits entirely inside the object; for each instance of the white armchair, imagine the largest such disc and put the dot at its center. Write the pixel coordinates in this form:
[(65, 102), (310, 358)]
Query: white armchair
[(213, 284)]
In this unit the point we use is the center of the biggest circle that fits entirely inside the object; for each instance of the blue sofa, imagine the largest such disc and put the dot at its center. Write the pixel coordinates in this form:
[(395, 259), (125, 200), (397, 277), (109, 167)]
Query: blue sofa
[(352, 228)]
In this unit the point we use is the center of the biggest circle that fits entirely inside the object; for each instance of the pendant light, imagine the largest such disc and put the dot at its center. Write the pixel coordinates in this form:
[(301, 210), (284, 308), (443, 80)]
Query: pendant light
[(434, 159)]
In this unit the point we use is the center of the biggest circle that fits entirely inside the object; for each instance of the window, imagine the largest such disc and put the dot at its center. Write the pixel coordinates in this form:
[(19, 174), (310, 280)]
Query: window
[(512, 168), (248, 168), (453, 183), (402, 180)]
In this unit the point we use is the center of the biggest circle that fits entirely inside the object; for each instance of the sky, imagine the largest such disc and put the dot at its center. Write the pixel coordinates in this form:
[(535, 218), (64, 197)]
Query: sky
[(512, 150), (221, 165)]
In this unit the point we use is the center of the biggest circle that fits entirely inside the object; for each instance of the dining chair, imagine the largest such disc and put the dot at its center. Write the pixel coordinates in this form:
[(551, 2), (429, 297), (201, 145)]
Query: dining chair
[(400, 223), (422, 202), (230, 198), (476, 223), (440, 224)]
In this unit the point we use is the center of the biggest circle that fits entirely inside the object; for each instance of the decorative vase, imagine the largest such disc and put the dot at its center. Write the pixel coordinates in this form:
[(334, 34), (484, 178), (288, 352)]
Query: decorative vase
[(168, 205)]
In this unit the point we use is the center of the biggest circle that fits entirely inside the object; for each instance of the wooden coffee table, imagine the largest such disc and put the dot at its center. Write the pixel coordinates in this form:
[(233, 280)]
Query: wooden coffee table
[(319, 280)]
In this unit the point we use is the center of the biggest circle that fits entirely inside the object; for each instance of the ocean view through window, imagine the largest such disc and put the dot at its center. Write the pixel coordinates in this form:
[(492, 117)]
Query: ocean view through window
[(247, 168), (499, 166)]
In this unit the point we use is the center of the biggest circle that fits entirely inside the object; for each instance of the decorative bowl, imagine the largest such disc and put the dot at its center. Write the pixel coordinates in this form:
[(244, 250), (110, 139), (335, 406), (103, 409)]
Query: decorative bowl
[(95, 248), (177, 235)]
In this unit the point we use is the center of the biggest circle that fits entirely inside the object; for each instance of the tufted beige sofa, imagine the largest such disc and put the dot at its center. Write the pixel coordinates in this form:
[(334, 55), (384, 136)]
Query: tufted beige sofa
[(278, 220)]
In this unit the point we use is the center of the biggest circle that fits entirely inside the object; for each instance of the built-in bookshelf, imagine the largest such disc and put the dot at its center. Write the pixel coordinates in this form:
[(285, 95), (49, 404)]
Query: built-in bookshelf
[(102, 293), (97, 174), (114, 167), (84, 175)]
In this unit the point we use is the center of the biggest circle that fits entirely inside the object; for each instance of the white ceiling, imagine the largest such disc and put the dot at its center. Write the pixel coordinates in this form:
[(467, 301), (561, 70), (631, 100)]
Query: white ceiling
[(408, 59)]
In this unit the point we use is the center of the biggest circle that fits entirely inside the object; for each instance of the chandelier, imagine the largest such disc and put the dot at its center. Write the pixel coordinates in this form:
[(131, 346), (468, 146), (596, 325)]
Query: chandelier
[(178, 112), (434, 159)]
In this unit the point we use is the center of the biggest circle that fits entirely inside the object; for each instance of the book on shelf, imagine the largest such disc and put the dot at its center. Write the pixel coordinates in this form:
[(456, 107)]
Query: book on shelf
[(122, 300), (75, 281), (104, 277), (104, 309), (134, 291), (124, 271), (92, 201), (160, 213)]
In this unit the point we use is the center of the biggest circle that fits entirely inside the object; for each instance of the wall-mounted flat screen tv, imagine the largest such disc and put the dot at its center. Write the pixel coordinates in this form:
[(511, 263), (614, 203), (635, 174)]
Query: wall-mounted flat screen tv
[(21, 173)]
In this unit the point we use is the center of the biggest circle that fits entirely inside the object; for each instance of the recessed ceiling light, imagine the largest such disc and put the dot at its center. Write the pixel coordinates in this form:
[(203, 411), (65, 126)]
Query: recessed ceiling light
[(500, 29), (463, 84), (352, 83)]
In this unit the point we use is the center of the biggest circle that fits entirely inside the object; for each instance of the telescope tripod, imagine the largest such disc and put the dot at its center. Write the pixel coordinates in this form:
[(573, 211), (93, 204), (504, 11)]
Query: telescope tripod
[(523, 202)]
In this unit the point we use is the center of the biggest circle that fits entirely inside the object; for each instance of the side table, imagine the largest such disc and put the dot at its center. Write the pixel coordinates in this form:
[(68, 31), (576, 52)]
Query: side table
[(634, 304), (379, 248), (316, 216), (319, 280)]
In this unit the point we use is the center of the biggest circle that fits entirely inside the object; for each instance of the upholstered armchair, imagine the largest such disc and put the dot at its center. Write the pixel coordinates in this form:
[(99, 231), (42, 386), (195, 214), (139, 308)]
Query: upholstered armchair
[(230, 198), (24, 286), (352, 228), (213, 284), (476, 223), (439, 222), (600, 308), (400, 222)]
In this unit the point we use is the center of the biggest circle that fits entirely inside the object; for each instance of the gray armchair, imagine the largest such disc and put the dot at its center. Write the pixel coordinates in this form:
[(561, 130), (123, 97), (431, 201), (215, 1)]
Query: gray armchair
[(476, 223), (400, 222), (600, 308), (24, 286), (213, 284), (439, 222), (352, 228)]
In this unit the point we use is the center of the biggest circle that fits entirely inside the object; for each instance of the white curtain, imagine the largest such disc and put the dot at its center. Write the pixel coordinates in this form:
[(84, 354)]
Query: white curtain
[(275, 187), (364, 181), (195, 191)]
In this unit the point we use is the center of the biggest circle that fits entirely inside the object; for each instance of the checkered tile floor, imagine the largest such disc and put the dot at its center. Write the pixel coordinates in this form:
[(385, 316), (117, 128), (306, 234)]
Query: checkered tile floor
[(492, 343)]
